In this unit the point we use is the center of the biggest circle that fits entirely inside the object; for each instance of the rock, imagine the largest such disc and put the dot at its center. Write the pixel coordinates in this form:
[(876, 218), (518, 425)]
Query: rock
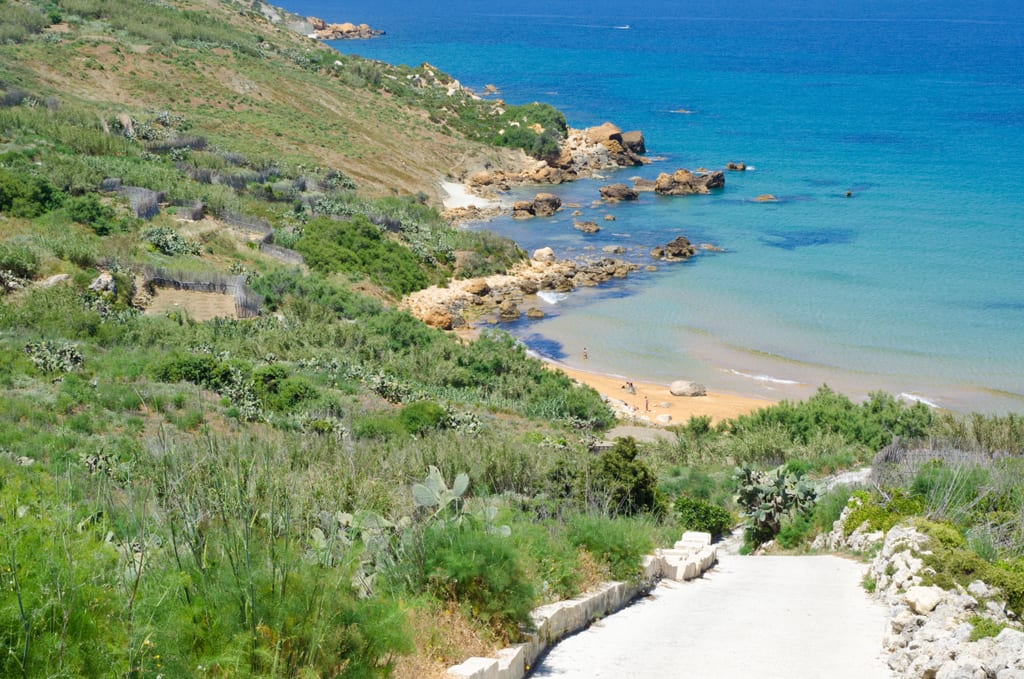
[(54, 280), (544, 255), (490, 89), (437, 318), (609, 218), (1010, 673), (528, 286), (346, 31), (682, 182), (534, 313), (644, 185), (634, 141), (708, 247), (610, 137), (618, 192), (603, 133), (546, 204), (613, 249), (687, 388), (766, 198), (508, 311), (586, 227), (477, 286), (736, 167), (1012, 642), (962, 668), (978, 588), (923, 600), (650, 268), (104, 283), (522, 209), (664, 418), (678, 249)]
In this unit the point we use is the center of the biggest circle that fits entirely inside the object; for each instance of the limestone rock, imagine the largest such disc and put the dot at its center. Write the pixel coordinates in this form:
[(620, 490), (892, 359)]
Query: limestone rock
[(664, 418), (54, 280), (644, 185), (104, 283), (477, 286), (634, 141), (766, 198), (544, 255), (609, 218), (534, 313), (437, 318), (680, 248), (682, 182), (687, 388), (509, 311), (618, 192), (736, 167), (546, 204), (923, 600), (586, 227), (613, 249)]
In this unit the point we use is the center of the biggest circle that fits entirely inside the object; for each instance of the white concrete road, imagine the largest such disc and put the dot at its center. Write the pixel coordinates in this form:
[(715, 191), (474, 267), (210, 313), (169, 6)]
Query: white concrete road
[(763, 617)]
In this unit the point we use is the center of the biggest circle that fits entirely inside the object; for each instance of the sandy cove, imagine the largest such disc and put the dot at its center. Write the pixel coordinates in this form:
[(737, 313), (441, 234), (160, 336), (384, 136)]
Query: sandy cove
[(660, 402)]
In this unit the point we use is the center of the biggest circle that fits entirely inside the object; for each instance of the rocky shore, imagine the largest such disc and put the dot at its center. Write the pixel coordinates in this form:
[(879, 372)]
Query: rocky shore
[(503, 297)]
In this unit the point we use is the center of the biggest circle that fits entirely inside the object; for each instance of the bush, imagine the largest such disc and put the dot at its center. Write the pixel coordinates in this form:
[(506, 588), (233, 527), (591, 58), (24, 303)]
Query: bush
[(90, 211), (881, 515), (359, 247), (26, 195), (480, 571), (769, 497), (699, 515), (616, 543), (421, 416), (629, 483), (19, 258)]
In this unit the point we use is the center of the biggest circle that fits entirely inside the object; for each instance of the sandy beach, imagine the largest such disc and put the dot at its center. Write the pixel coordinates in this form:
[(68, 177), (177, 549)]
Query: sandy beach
[(660, 402)]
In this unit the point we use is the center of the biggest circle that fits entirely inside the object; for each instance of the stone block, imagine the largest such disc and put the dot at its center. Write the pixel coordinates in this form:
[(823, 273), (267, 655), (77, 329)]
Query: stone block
[(475, 668), (698, 537), (923, 600), (512, 662)]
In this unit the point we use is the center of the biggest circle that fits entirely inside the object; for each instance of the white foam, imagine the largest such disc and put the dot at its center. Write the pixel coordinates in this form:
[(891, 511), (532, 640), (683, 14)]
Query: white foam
[(551, 297), (750, 168), (918, 399), (763, 378), (459, 196)]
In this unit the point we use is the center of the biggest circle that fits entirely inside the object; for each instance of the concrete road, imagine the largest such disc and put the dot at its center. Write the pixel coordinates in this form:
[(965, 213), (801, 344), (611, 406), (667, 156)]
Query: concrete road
[(764, 617)]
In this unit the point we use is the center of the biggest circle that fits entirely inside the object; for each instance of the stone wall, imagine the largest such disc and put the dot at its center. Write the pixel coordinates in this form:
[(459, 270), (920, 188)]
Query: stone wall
[(688, 559)]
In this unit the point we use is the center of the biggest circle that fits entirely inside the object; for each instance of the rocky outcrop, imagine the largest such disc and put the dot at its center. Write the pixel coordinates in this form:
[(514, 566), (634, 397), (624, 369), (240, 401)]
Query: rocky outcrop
[(679, 249), (687, 388), (542, 205), (642, 185), (617, 192), (610, 137), (766, 198), (736, 167), (586, 227), (346, 31), (682, 182), (504, 295), (634, 141)]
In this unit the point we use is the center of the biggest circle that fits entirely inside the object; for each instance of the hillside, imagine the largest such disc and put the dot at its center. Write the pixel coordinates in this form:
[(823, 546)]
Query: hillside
[(241, 82), (224, 450)]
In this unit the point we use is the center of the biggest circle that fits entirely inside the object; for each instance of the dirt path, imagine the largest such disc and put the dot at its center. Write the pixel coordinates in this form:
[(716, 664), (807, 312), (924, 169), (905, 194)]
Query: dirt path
[(785, 617)]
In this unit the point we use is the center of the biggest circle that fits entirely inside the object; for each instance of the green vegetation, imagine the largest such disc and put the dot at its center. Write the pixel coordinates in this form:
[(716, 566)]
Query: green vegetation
[(283, 495)]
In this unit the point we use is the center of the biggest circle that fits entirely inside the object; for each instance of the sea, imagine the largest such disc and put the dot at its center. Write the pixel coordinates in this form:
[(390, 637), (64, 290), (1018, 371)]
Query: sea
[(912, 284)]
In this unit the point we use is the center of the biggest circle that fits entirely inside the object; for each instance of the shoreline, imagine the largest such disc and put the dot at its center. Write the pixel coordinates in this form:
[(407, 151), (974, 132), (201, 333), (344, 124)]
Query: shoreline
[(660, 402)]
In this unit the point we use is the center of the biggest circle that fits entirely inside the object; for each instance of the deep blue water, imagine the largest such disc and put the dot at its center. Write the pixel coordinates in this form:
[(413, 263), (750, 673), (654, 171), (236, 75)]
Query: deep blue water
[(915, 284)]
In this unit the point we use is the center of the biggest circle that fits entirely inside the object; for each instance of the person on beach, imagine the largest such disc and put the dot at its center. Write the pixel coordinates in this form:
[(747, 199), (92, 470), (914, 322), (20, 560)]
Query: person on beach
[(647, 405), (584, 353)]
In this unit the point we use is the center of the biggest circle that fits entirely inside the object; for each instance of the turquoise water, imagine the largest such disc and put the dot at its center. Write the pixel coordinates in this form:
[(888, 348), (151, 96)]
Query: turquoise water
[(915, 284)]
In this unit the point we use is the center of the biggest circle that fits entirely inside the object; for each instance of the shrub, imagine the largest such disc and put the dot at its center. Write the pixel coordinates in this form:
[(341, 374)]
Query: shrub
[(26, 195), (881, 515), (480, 571), (421, 416), (699, 515), (617, 543), (630, 484), (90, 211), (359, 247), (19, 258)]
